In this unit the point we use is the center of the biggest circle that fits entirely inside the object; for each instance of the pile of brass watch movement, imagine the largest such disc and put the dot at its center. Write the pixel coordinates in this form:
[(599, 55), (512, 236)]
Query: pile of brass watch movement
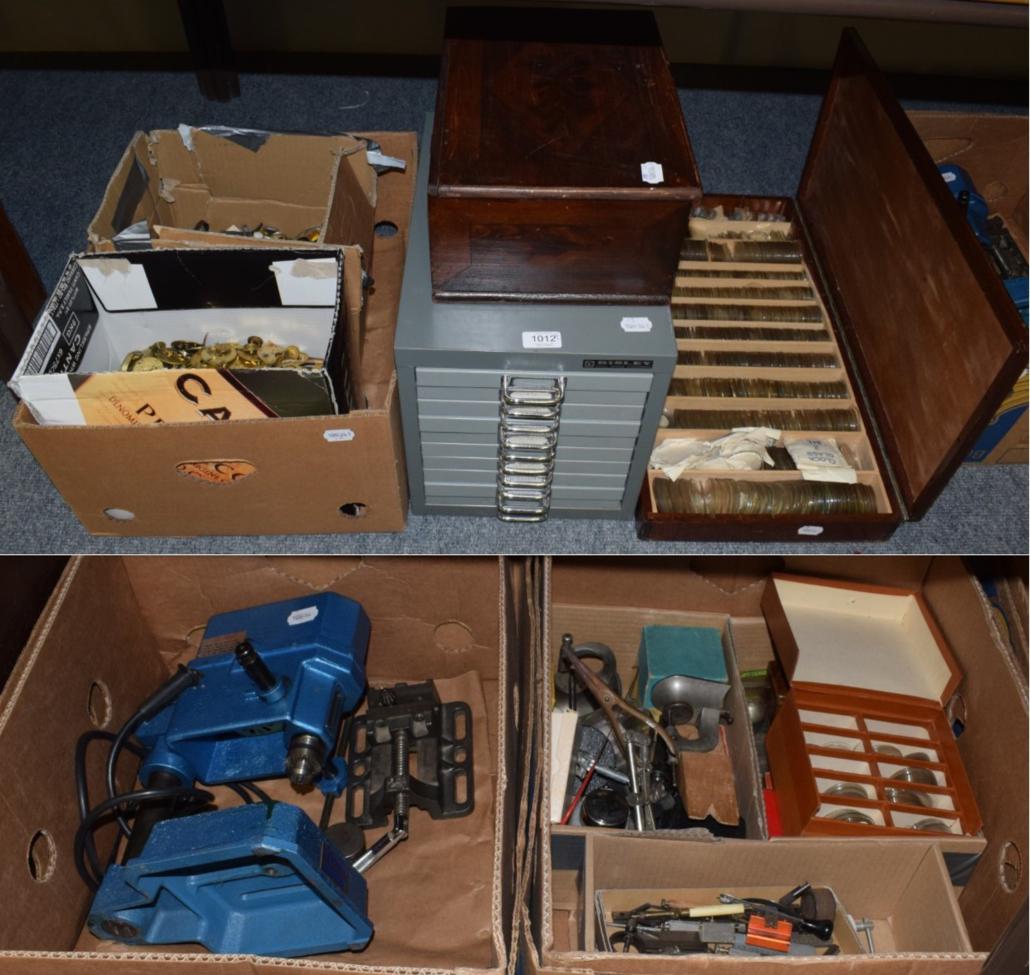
[(255, 353)]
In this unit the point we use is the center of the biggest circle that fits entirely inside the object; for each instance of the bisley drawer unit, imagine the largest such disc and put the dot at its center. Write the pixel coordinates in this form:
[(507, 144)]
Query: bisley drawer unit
[(525, 410)]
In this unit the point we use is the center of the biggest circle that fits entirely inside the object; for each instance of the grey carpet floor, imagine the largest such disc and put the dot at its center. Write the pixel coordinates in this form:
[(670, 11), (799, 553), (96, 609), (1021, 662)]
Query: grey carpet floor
[(62, 133)]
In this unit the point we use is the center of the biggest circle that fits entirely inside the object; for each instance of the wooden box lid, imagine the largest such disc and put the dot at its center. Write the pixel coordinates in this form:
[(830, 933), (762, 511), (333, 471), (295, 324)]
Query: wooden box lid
[(935, 338), (831, 636), (557, 104)]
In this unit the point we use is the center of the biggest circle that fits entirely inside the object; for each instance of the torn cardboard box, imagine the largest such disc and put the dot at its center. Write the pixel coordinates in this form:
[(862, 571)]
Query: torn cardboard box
[(190, 185), (308, 474)]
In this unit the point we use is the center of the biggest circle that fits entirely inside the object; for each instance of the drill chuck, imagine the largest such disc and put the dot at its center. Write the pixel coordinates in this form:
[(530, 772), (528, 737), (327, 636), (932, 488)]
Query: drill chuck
[(305, 759)]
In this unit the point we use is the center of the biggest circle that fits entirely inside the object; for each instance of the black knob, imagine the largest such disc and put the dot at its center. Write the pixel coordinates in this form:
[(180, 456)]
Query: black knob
[(256, 669)]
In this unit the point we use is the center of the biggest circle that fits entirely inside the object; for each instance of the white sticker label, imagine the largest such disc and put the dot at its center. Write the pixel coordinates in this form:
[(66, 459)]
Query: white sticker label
[(338, 436), (541, 340), (810, 530), (636, 324), (949, 177), (652, 172), (305, 615)]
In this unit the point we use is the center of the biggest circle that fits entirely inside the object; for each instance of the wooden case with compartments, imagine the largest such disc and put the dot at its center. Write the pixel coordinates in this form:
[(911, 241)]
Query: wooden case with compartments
[(889, 331), (861, 744), (560, 166)]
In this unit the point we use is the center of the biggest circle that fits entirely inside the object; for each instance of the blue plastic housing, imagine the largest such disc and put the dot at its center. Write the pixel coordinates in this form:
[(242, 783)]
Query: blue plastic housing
[(257, 879), (226, 730)]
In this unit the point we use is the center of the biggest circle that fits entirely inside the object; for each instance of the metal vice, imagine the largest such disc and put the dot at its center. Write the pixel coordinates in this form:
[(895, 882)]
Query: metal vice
[(272, 685)]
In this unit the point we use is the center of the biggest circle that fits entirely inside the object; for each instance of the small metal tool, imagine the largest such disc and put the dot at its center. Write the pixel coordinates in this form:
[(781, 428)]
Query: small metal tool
[(866, 925), (610, 702)]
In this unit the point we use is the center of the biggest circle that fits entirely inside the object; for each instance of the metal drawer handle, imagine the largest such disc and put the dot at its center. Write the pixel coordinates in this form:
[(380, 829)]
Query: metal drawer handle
[(509, 480), (527, 468), (541, 413), (516, 440), (530, 415)]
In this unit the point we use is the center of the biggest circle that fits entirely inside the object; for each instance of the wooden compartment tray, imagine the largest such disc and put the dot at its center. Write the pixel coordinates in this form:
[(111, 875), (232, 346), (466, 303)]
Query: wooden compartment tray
[(890, 305), (870, 673)]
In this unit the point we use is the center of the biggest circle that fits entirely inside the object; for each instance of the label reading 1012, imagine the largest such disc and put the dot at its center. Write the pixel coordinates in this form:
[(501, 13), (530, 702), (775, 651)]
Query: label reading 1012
[(541, 340)]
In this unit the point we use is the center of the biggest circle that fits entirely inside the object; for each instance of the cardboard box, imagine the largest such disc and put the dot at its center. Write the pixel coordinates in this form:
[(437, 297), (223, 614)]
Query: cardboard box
[(993, 150), (170, 180), (990, 705), (107, 307), (903, 890), (115, 627), (303, 474), (730, 771)]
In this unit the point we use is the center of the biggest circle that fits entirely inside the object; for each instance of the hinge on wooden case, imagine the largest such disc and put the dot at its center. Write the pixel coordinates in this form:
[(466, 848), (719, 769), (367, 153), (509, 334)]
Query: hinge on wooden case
[(528, 440)]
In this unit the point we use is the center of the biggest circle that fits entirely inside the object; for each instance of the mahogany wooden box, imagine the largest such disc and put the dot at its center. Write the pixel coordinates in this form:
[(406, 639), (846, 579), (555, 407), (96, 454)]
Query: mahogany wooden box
[(862, 733), (905, 316), (561, 168)]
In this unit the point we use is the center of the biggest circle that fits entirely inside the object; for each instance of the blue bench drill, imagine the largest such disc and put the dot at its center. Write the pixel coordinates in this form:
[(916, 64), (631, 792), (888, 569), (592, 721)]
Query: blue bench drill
[(265, 698)]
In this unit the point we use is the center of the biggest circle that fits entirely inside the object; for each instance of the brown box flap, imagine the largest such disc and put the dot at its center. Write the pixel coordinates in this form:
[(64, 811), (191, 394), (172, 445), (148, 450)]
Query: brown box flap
[(935, 337), (557, 104)]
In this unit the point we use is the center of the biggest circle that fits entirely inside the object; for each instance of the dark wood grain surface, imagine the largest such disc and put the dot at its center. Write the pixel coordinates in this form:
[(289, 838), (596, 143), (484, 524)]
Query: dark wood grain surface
[(21, 296), (557, 102), (571, 250), (543, 122), (936, 339)]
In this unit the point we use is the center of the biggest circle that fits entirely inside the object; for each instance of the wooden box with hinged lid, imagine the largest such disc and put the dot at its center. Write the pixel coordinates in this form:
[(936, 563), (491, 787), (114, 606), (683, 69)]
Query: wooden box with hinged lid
[(873, 317), (560, 165), (861, 744)]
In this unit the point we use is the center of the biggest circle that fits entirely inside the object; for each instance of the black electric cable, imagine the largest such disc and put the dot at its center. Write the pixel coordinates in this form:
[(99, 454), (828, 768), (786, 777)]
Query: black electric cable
[(240, 789), (161, 698), (82, 787), (260, 793), (139, 797)]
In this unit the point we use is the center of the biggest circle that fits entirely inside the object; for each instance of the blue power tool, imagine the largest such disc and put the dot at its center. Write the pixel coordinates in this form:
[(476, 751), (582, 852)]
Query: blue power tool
[(275, 684), (265, 698), (992, 234)]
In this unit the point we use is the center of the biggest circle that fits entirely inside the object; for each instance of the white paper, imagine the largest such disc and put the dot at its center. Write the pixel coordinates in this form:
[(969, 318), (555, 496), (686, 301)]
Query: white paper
[(306, 281), (742, 450), (652, 172), (118, 284), (338, 436), (563, 736), (820, 459), (630, 324), (305, 615), (541, 340)]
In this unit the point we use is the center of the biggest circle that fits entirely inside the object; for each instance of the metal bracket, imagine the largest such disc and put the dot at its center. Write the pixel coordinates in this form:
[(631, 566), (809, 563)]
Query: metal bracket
[(439, 736)]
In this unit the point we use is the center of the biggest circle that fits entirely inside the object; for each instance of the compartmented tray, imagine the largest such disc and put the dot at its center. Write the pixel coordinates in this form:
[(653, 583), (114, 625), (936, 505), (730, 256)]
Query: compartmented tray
[(878, 321), (861, 745)]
